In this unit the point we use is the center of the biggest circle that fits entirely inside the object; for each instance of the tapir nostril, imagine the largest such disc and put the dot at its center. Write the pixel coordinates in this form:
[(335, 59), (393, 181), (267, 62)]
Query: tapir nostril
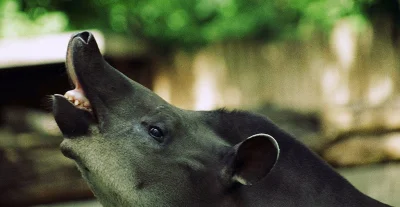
[(84, 36)]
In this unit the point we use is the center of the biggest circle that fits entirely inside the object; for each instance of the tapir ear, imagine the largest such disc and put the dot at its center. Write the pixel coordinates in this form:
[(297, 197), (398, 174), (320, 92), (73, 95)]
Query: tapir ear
[(251, 160)]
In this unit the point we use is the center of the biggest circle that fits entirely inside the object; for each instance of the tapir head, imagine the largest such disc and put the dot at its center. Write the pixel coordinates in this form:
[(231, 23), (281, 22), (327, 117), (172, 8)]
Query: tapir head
[(135, 149)]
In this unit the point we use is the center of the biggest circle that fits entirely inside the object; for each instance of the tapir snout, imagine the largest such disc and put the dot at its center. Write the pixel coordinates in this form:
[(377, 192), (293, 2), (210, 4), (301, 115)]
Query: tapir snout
[(135, 149), (110, 92)]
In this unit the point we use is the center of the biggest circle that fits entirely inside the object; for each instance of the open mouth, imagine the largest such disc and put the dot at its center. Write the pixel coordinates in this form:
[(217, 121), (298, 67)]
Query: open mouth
[(99, 90), (73, 111)]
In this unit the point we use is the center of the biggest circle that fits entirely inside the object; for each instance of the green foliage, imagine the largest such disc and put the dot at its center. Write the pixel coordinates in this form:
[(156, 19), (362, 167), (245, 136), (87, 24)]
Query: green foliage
[(180, 23), (15, 22)]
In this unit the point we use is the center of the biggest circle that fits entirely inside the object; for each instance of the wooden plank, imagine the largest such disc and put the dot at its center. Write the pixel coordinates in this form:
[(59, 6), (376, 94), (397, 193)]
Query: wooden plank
[(38, 175)]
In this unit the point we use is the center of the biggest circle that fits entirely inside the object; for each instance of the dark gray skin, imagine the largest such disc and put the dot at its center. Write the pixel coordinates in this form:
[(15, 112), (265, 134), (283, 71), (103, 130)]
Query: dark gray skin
[(135, 149)]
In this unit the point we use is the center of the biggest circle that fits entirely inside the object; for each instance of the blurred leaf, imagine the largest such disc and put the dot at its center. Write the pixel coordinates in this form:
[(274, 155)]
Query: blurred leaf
[(181, 23), (37, 20)]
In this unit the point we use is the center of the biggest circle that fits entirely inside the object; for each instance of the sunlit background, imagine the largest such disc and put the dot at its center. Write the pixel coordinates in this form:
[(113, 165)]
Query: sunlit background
[(327, 71)]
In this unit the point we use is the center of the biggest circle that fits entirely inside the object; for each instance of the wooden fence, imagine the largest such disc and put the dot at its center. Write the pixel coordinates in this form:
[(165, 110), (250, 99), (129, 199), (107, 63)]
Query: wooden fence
[(344, 69)]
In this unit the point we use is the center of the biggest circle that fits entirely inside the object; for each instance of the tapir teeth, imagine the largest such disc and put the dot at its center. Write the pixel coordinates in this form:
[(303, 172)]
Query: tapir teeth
[(78, 100), (86, 104)]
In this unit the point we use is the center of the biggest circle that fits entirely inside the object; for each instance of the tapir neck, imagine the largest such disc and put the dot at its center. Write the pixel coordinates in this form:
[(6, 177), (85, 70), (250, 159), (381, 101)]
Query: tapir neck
[(302, 179)]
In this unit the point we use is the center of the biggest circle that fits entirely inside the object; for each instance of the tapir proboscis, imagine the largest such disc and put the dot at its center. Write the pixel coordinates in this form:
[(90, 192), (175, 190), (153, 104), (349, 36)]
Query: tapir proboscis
[(135, 149)]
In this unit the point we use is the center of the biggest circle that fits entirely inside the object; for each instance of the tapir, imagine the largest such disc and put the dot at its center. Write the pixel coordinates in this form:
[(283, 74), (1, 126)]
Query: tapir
[(135, 149)]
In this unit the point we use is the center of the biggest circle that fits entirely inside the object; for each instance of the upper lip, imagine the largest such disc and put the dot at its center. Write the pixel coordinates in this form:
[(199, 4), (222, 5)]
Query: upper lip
[(74, 54), (73, 46)]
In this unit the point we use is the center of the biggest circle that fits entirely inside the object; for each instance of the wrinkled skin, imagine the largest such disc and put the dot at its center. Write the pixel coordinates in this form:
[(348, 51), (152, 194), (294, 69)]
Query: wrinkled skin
[(135, 149)]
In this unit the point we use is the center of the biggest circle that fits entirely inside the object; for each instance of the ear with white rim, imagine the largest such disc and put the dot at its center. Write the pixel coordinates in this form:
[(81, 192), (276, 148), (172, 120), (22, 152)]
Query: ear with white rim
[(250, 160)]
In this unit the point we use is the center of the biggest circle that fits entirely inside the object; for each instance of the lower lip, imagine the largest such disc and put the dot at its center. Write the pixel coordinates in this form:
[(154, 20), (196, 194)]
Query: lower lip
[(67, 151)]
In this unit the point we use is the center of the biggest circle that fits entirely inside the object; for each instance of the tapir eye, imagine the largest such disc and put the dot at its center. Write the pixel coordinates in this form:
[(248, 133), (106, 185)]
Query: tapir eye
[(156, 133)]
